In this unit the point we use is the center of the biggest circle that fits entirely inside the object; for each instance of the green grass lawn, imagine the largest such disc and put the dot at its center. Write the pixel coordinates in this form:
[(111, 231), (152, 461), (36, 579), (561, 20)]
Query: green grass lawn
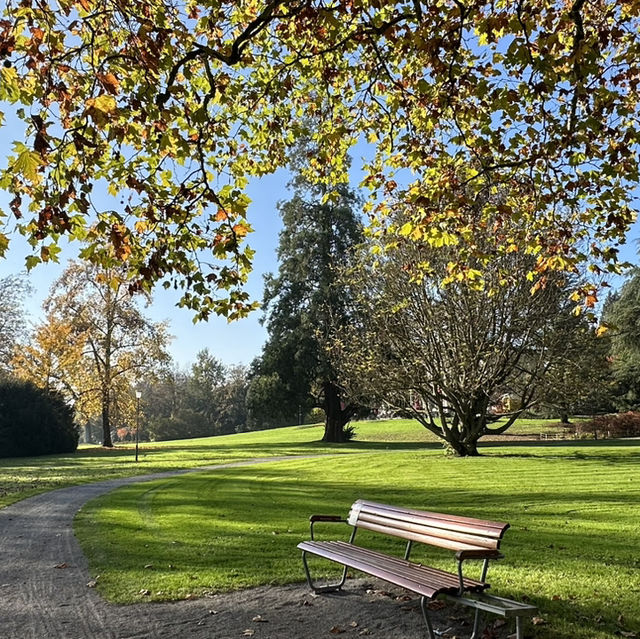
[(573, 507), (23, 477)]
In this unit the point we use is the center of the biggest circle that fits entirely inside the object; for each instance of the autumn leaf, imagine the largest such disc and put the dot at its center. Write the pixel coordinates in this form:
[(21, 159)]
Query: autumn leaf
[(109, 82), (101, 108)]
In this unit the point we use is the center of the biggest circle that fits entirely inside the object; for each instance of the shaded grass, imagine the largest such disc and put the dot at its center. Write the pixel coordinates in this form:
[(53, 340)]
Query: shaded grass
[(572, 548)]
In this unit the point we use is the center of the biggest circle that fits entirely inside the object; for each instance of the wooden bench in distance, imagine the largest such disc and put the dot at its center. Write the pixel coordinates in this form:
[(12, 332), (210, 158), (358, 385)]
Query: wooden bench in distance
[(470, 539)]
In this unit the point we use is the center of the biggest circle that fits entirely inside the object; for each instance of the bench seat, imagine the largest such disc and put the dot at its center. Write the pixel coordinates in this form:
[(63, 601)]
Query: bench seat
[(423, 580)]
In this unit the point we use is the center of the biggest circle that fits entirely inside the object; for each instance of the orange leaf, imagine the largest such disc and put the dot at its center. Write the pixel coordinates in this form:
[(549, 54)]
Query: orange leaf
[(109, 82)]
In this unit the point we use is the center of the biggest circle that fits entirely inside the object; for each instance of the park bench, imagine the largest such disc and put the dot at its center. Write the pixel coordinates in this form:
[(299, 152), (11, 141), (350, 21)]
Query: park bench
[(470, 539)]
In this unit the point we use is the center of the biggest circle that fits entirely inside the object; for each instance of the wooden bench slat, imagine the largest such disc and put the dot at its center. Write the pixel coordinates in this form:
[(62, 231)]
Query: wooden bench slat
[(482, 523), (363, 509), (401, 565), (425, 539), (427, 533), (423, 580)]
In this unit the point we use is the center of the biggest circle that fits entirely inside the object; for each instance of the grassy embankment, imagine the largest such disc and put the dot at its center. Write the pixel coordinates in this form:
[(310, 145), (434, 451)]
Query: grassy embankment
[(573, 507), (24, 477)]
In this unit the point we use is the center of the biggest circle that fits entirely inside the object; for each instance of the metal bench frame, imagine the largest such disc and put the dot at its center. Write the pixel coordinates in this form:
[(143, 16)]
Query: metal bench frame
[(437, 529)]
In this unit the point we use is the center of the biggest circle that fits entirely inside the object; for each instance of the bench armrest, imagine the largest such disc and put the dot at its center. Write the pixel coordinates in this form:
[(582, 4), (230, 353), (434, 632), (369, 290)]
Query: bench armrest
[(461, 555), (326, 518), (480, 553), (332, 519)]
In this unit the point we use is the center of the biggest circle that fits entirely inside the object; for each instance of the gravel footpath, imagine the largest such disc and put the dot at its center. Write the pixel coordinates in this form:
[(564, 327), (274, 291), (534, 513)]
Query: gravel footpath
[(44, 592)]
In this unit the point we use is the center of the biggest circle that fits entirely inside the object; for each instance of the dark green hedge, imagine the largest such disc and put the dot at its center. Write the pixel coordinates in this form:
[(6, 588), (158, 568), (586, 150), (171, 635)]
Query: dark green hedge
[(34, 421)]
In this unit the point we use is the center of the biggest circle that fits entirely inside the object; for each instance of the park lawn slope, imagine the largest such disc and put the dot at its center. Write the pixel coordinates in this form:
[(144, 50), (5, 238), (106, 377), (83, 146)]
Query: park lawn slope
[(572, 548), (26, 476)]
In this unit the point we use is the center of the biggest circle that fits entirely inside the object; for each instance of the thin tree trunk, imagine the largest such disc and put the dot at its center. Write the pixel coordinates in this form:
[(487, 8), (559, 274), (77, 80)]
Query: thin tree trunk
[(106, 420)]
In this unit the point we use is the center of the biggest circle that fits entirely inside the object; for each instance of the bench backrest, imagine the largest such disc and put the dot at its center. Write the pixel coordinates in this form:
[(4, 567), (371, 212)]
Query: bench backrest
[(435, 529)]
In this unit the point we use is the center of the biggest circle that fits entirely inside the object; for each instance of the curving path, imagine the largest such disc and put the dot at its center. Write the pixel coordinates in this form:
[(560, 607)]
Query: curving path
[(44, 592)]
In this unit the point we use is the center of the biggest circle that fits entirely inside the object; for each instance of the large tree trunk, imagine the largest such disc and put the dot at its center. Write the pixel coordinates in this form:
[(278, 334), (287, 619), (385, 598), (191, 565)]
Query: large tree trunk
[(337, 415), (462, 448), (466, 430)]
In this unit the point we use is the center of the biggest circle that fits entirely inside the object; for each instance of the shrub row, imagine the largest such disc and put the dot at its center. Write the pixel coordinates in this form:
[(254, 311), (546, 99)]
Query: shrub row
[(610, 426), (34, 421)]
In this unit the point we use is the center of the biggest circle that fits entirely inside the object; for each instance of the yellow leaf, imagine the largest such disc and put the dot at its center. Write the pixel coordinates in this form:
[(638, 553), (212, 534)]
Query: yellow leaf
[(406, 229), (101, 108)]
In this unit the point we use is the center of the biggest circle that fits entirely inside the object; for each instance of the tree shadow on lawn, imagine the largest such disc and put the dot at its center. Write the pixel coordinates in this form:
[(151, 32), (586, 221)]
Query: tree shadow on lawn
[(594, 450)]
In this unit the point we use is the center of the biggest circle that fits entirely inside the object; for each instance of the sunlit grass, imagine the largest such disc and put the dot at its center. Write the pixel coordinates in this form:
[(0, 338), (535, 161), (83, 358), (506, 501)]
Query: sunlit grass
[(572, 548), (23, 477)]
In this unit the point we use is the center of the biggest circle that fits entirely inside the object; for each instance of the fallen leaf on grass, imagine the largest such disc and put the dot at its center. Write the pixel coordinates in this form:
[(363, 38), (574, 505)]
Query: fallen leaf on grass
[(538, 621), (629, 634), (144, 592)]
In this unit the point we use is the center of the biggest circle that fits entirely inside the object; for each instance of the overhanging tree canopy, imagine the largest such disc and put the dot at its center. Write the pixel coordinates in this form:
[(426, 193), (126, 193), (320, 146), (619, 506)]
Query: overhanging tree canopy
[(174, 106)]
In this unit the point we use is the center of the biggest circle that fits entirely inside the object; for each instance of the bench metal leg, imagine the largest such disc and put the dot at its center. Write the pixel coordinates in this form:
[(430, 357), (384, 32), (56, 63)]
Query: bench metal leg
[(327, 588), (476, 623), (425, 615), (519, 628)]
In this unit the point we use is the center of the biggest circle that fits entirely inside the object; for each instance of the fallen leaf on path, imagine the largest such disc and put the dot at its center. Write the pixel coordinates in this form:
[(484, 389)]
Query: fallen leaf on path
[(61, 566), (259, 619), (337, 630)]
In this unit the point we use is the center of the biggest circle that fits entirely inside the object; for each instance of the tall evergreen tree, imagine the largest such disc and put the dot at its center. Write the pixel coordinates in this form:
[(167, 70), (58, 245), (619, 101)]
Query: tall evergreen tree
[(300, 304), (622, 312)]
